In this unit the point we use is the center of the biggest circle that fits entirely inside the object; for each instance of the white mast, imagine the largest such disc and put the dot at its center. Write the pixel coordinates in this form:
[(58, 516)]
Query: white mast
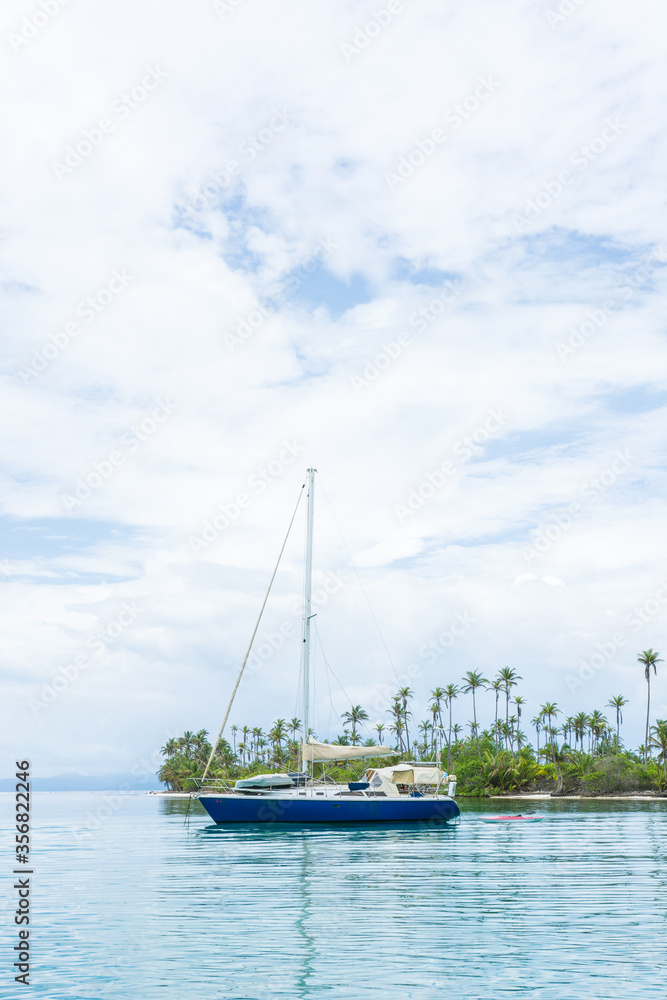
[(305, 655)]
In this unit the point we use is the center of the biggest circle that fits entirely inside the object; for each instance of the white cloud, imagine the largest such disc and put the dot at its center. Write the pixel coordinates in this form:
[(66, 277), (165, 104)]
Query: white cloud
[(198, 272)]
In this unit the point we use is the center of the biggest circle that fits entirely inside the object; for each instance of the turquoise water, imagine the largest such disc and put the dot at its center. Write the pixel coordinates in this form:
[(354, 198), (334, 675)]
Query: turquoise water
[(131, 903)]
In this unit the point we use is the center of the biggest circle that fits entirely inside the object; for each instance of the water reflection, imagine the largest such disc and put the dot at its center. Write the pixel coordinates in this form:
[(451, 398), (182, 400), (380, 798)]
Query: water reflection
[(572, 908), (180, 807), (308, 948)]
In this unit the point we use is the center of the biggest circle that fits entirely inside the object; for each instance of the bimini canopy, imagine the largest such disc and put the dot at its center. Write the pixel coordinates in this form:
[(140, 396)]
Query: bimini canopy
[(313, 751), (407, 774)]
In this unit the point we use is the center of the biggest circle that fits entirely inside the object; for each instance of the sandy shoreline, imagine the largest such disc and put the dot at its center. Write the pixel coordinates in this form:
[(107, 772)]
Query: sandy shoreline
[(173, 795), (597, 798)]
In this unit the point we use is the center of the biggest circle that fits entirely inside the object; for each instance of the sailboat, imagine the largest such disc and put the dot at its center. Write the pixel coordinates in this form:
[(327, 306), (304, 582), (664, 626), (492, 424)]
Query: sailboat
[(399, 793)]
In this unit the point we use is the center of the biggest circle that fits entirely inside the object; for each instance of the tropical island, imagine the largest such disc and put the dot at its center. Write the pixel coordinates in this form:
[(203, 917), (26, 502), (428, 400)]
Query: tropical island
[(582, 754)]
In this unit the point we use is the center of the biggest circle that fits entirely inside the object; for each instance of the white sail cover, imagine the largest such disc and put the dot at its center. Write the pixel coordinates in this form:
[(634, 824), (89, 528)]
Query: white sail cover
[(408, 774), (265, 781), (313, 751)]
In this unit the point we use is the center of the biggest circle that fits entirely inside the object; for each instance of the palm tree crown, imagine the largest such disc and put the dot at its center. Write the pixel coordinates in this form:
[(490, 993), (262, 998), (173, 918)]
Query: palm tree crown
[(648, 658), (508, 679), (617, 703), (474, 680)]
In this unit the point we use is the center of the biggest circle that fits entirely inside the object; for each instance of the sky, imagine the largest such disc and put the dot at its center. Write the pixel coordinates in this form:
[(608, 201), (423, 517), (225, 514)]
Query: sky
[(420, 247)]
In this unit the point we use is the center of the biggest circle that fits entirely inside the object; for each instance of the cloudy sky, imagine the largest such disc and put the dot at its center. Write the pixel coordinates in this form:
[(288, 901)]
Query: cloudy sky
[(418, 246)]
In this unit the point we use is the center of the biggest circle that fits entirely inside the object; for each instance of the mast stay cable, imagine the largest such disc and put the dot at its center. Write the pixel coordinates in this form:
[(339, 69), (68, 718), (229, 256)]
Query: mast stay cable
[(361, 586), (330, 670), (252, 639)]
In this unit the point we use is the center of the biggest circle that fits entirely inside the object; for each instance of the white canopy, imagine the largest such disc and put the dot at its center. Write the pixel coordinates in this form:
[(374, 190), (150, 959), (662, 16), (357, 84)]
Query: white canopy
[(313, 751), (408, 774)]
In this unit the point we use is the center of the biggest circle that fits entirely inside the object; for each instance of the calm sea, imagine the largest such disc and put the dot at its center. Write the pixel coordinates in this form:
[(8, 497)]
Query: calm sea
[(132, 902)]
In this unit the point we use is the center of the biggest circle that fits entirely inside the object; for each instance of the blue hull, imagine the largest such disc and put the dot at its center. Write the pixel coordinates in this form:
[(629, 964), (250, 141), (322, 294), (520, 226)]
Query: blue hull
[(262, 809)]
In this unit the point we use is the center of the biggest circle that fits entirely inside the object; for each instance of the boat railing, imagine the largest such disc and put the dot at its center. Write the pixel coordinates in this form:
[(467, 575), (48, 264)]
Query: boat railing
[(227, 784), (214, 785)]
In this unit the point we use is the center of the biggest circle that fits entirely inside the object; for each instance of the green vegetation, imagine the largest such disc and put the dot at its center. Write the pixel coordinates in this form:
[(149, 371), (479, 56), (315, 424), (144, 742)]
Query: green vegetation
[(187, 756), (582, 754)]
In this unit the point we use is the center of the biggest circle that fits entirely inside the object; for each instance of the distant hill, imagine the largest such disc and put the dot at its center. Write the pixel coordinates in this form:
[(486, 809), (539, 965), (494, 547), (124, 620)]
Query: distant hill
[(72, 782)]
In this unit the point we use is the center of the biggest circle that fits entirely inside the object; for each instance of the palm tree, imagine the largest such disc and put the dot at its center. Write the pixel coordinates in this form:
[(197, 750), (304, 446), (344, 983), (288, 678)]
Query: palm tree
[(568, 728), (170, 749), (537, 722), (405, 694), (511, 728), (397, 726), (257, 735), (424, 728), (518, 704), (352, 718), (169, 774), (496, 686), (582, 765), (579, 727), (451, 692), (508, 679), (648, 658), (294, 726), (438, 695), (659, 741), (474, 680), (549, 711), (597, 724), (201, 748), (397, 729), (504, 731), (224, 755), (435, 707), (277, 735), (617, 703), (456, 729), (379, 729)]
